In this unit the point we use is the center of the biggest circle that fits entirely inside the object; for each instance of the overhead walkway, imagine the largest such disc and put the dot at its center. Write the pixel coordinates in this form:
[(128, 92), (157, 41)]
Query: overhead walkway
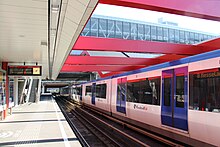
[(41, 124)]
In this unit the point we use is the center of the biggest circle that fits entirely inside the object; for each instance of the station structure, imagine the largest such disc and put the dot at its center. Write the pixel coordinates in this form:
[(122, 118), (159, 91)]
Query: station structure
[(42, 41)]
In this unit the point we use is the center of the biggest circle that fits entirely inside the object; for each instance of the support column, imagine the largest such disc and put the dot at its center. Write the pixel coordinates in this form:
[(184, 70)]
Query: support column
[(43, 89), (38, 94), (5, 67), (16, 91)]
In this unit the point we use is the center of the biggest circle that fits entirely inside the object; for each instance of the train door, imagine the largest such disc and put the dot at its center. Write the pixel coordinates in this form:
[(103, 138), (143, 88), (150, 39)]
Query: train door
[(175, 98), (121, 95), (93, 93)]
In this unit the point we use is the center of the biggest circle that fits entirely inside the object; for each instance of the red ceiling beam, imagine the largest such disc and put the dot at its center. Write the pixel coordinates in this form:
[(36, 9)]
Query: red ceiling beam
[(122, 45), (92, 68), (214, 43), (94, 60), (207, 9)]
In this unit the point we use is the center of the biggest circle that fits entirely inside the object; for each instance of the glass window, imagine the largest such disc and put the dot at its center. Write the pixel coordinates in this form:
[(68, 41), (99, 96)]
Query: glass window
[(101, 91), (11, 91), (94, 27), (97, 90), (126, 30), (79, 90), (153, 33), (165, 34), (171, 35), (140, 31), (146, 91), (200, 37), (87, 30), (186, 37), (111, 29), (133, 31), (196, 37), (121, 89), (191, 38), (132, 91), (118, 29), (102, 28), (88, 91), (205, 37), (179, 91), (177, 37), (205, 90), (146, 32), (167, 91), (182, 37), (159, 33)]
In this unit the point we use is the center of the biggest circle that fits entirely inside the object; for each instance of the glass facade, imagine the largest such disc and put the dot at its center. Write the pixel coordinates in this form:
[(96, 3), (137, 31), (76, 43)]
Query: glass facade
[(109, 28)]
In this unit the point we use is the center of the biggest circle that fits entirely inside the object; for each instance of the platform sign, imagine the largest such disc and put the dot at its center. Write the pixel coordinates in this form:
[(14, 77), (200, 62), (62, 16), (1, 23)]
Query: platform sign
[(24, 70)]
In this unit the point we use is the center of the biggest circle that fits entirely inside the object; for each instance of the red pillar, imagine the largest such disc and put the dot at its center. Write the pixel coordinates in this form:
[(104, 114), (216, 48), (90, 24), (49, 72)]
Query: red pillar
[(5, 67)]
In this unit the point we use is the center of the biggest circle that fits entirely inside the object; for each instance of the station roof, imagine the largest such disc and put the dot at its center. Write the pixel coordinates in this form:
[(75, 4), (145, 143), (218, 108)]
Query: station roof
[(109, 56)]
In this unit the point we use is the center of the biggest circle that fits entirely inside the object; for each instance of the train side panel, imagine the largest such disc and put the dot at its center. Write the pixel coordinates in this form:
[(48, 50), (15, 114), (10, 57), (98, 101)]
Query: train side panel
[(103, 102), (145, 113), (86, 97), (204, 124)]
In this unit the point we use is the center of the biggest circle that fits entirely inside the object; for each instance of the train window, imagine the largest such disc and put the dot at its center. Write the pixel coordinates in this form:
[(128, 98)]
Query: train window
[(88, 90), (97, 90), (101, 90), (79, 90), (179, 91), (205, 90), (133, 91), (167, 91), (145, 91)]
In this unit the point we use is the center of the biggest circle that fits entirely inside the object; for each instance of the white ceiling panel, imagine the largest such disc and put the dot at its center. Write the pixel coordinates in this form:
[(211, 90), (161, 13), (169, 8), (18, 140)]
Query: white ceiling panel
[(76, 15), (23, 26)]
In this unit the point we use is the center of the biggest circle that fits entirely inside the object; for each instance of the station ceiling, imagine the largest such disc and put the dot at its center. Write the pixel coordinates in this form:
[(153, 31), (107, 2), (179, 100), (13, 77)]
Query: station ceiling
[(41, 32)]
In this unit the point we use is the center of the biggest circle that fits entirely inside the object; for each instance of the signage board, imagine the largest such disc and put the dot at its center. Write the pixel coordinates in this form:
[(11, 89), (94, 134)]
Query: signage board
[(24, 70)]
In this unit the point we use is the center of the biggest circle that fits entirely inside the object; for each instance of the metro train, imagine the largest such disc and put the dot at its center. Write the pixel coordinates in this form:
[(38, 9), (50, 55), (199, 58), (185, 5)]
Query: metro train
[(178, 99)]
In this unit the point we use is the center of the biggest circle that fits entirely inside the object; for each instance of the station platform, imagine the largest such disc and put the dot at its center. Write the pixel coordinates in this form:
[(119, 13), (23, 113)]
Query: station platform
[(41, 124)]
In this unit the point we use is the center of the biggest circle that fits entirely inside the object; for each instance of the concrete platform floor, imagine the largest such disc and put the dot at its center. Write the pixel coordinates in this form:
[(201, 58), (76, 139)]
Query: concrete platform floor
[(37, 125)]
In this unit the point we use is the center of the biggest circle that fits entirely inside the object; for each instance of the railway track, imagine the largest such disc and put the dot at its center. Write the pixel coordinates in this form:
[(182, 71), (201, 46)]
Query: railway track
[(97, 129)]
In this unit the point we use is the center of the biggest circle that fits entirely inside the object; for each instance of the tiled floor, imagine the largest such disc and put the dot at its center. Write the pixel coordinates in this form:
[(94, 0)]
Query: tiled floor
[(41, 124)]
